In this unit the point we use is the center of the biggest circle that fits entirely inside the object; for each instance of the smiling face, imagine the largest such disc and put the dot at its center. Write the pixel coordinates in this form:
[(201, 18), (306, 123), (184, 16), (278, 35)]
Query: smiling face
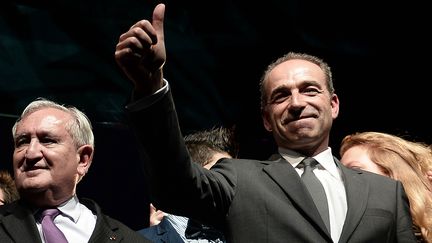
[(299, 109), (47, 162)]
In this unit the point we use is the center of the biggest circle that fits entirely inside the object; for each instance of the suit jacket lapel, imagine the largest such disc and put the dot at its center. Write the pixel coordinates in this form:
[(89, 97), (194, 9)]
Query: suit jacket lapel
[(357, 190), (20, 223), (105, 230), (288, 179)]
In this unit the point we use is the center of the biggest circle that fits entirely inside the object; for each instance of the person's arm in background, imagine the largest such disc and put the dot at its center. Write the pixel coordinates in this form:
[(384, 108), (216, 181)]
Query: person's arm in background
[(156, 215)]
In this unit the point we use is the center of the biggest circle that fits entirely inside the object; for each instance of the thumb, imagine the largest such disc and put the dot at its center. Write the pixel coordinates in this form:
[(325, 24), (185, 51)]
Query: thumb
[(152, 208), (158, 20)]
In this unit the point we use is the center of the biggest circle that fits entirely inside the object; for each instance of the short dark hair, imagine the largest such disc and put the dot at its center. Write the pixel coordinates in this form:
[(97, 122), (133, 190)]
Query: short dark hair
[(202, 145)]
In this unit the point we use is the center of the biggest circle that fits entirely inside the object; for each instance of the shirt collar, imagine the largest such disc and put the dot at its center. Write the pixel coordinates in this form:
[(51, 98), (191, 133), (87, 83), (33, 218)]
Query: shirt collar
[(325, 158), (71, 208)]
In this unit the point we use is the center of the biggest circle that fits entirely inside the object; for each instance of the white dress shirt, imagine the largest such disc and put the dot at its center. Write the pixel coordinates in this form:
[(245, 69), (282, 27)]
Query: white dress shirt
[(76, 221), (330, 177)]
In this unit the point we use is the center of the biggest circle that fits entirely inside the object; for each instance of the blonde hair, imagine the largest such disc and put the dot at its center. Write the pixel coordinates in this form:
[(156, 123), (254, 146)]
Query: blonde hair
[(405, 161)]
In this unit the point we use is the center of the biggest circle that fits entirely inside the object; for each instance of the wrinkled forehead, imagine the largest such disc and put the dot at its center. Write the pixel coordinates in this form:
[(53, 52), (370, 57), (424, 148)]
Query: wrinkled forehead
[(44, 118)]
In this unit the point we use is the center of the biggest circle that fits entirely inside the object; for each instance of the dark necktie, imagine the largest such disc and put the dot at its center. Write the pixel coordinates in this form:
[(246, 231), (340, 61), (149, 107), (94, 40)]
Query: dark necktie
[(52, 234), (316, 189)]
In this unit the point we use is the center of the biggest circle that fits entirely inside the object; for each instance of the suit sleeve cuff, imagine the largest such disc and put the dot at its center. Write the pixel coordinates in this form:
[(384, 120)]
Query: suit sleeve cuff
[(149, 100)]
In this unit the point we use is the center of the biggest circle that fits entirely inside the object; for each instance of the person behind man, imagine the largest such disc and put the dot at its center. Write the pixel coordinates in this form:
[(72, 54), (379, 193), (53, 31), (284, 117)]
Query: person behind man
[(8, 191), (400, 159), (206, 147), (53, 151), (261, 201)]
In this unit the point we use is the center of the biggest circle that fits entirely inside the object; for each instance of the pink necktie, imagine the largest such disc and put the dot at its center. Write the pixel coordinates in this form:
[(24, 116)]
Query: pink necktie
[(52, 234)]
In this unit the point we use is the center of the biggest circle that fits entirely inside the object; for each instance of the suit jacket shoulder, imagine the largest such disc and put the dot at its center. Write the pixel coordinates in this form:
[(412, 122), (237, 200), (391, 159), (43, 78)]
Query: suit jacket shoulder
[(17, 225), (110, 230)]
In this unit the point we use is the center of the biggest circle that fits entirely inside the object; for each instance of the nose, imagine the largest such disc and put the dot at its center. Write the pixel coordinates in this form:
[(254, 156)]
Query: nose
[(34, 150), (297, 102)]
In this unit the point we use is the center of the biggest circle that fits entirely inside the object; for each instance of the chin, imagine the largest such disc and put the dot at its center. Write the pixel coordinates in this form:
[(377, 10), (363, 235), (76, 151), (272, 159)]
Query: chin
[(32, 185), (305, 132)]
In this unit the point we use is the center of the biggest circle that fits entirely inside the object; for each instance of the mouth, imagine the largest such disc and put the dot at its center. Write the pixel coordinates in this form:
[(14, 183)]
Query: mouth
[(33, 168), (297, 119)]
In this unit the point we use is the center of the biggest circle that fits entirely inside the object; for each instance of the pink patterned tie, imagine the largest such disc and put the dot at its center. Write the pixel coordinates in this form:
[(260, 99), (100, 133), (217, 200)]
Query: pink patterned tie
[(52, 234)]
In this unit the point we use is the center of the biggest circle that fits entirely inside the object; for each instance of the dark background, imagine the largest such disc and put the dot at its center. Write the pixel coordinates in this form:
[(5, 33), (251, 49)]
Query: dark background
[(217, 51)]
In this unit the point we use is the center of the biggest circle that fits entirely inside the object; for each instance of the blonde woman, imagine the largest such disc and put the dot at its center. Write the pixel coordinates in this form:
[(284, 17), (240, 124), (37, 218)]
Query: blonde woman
[(403, 160)]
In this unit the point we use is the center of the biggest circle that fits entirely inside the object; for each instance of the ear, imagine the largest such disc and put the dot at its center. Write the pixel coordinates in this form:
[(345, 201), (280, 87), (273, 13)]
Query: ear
[(335, 106), (85, 154), (266, 120)]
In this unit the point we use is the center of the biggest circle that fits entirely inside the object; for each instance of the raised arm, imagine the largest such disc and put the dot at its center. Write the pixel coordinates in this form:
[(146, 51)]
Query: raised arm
[(141, 54)]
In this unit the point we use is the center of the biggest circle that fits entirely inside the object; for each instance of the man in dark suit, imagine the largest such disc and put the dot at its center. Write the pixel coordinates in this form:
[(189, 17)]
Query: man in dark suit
[(251, 200), (205, 147), (53, 151)]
